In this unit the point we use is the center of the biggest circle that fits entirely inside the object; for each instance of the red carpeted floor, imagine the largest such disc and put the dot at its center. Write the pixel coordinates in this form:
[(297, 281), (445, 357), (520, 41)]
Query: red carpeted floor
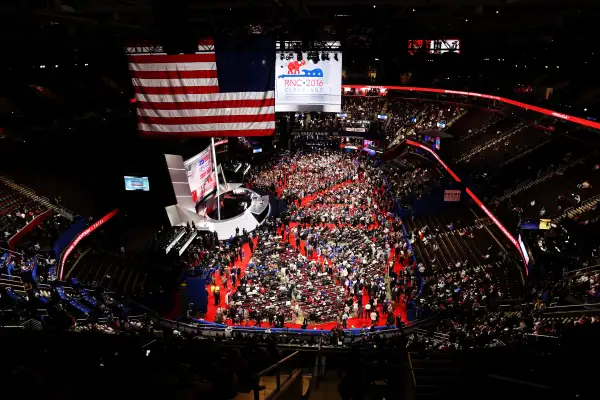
[(352, 322)]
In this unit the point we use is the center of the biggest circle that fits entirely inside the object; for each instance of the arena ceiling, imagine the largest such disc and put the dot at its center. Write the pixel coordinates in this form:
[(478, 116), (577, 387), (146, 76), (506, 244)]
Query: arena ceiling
[(375, 29), (308, 19)]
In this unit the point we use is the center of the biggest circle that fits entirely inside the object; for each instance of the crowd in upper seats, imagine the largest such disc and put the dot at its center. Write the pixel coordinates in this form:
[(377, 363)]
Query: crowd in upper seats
[(413, 117)]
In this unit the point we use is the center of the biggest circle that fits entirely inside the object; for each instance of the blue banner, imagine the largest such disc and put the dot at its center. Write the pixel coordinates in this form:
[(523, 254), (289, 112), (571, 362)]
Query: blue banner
[(196, 293), (67, 237)]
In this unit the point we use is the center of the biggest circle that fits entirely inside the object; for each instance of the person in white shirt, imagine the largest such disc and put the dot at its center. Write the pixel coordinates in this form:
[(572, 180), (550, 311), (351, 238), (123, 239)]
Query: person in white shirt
[(367, 309), (373, 317)]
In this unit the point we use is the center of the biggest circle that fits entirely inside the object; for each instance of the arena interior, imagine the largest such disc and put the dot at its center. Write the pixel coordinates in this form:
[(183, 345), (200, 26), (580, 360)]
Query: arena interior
[(292, 199)]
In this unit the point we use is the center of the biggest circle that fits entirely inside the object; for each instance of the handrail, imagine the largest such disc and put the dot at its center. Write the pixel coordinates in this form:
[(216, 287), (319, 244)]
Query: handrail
[(278, 363), (275, 367), (584, 305), (544, 336), (581, 269), (411, 387)]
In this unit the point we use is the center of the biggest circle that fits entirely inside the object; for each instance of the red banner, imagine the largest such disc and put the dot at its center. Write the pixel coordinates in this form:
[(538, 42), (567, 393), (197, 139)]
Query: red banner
[(487, 212), (86, 232)]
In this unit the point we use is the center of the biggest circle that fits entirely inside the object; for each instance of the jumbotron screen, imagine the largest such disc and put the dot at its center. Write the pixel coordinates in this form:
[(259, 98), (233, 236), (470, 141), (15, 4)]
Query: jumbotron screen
[(137, 183)]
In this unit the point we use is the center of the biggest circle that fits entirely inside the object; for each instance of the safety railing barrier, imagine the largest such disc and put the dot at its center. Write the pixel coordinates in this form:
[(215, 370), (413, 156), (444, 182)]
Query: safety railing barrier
[(32, 325), (572, 307), (293, 359), (411, 381), (591, 268)]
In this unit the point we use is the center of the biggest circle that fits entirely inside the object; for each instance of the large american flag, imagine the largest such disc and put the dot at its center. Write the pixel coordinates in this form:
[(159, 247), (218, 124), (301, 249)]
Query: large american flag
[(226, 88)]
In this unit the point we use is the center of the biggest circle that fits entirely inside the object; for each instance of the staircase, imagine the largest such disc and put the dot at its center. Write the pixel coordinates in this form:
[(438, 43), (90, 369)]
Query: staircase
[(436, 375), (585, 206), (526, 152), (550, 173), (482, 128), (25, 191), (453, 120), (490, 143), (385, 106)]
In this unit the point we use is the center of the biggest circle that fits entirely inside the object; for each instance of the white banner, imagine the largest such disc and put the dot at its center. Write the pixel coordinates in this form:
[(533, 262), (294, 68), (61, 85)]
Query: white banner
[(200, 174), (308, 86), (350, 129), (452, 195)]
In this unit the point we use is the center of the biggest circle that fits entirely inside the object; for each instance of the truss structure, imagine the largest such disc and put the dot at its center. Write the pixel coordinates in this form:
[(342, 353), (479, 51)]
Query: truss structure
[(318, 45), (152, 47)]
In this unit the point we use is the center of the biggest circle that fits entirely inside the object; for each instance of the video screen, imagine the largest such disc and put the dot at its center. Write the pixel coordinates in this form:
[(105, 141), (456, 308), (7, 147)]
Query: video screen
[(137, 183), (200, 174)]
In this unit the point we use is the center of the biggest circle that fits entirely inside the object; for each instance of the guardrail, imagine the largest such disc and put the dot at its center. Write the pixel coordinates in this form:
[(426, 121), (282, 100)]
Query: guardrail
[(576, 271), (411, 381), (572, 307), (292, 358)]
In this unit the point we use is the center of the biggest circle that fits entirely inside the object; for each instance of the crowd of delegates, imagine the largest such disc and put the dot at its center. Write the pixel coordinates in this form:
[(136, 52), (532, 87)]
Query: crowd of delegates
[(327, 258), (312, 173), (272, 176)]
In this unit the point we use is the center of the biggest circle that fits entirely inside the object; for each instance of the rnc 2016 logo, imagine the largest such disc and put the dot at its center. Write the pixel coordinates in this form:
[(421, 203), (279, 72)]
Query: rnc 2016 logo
[(299, 80)]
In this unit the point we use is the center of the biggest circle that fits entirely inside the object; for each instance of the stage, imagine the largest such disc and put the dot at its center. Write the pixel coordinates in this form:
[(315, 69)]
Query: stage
[(235, 207)]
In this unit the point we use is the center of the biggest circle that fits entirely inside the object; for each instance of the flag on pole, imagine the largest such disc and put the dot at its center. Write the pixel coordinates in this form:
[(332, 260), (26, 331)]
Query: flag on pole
[(226, 88)]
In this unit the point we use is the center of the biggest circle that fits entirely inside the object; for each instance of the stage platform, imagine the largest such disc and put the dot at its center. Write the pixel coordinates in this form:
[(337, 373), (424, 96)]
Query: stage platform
[(257, 210)]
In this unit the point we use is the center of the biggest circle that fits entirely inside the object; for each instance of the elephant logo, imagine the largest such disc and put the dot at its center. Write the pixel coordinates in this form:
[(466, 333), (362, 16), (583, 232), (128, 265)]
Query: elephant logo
[(294, 67)]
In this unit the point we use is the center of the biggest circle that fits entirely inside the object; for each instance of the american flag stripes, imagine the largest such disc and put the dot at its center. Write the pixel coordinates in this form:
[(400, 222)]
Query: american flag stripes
[(218, 91)]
